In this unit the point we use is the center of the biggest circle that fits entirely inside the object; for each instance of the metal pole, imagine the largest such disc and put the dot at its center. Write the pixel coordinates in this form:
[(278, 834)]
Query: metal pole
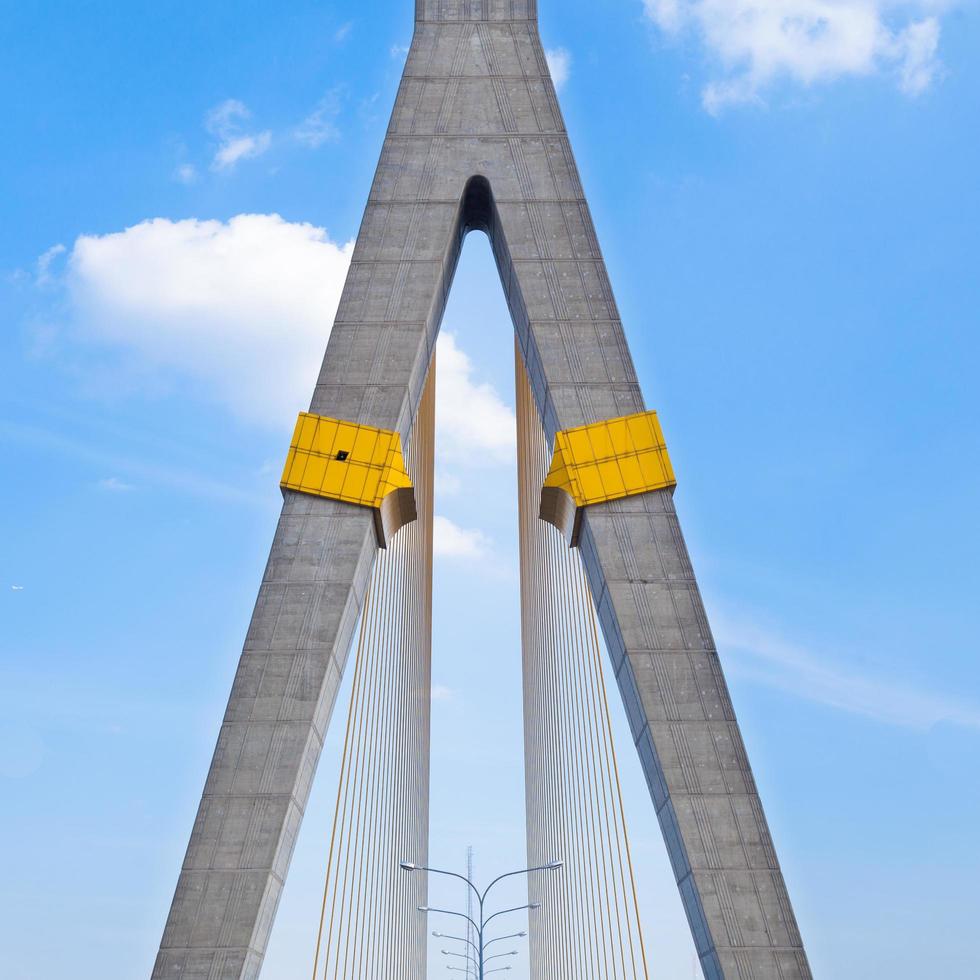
[(482, 944), (469, 892)]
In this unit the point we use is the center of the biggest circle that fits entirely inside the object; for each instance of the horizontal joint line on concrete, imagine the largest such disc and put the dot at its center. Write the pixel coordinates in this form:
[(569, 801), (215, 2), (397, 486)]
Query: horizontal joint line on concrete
[(391, 323), (456, 78), (381, 321), (454, 201), (249, 796), (606, 320), (595, 260), (534, 322), (236, 871), (684, 795), (523, 21), (439, 263), (216, 948), (745, 948), (651, 651), (496, 135), (621, 386), (255, 796)]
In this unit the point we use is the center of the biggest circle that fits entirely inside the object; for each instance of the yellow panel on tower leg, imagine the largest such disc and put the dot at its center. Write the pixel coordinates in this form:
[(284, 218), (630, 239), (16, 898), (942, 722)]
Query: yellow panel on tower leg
[(357, 464), (609, 460)]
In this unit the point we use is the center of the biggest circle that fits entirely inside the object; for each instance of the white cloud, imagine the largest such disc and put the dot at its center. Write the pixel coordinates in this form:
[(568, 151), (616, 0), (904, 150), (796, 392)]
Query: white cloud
[(186, 173), (447, 483), (473, 425), (45, 262), (114, 485), (452, 541), (442, 693), (226, 123), (243, 308), (767, 658), (560, 65), (226, 116), (240, 148), (17, 588), (757, 43), (917, 46), (343, 32), (320, 126)]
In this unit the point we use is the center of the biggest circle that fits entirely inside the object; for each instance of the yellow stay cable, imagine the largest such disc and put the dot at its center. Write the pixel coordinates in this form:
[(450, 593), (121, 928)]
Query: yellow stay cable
[(376, 738), (352, 850), (547, 782), (384, 764), (358, 667), (576, 801), (576, 750), (592, 618)]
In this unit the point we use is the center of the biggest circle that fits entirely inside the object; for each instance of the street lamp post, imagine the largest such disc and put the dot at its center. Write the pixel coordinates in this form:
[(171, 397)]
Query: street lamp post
[(481, 945), (471, 960)]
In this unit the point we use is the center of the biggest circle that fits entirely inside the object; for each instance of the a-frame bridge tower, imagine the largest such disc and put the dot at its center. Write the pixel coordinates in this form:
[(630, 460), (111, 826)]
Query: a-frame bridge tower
[(477, 142)]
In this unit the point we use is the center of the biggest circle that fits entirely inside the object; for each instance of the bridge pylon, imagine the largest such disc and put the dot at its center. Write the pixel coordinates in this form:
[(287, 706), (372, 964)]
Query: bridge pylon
[(477, 141)]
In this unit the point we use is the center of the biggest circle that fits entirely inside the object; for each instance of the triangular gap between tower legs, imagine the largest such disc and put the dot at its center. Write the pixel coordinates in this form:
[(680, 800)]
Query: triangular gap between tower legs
[(477, 745)]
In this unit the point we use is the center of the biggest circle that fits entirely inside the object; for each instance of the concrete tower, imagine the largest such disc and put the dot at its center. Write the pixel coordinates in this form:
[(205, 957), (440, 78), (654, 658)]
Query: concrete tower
[(477, 141)]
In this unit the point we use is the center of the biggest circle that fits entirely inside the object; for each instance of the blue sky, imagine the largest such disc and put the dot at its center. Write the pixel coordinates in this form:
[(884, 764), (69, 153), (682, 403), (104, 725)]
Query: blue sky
[(786, 194)]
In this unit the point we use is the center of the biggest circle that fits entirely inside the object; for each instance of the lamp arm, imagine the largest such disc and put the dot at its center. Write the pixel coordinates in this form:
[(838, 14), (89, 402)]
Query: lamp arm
[(512, 874), (517, 908), (459, 915), (450, 874)]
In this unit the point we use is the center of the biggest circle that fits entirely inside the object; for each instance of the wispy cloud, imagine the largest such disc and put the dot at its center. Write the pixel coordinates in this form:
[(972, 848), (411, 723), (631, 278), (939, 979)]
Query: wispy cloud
[(17, 588), (447, 483), (756, 44), (44, 263), (560, 66), (240, 148), (226, 122), (320, 126), (442, 693), (455, 542), (113, 484), (186, 173), (343, 32), (173, 477), (765, 657)]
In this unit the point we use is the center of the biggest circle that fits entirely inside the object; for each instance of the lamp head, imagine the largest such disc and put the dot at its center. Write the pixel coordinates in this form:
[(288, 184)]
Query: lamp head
[(408, 866), (553, 866)]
